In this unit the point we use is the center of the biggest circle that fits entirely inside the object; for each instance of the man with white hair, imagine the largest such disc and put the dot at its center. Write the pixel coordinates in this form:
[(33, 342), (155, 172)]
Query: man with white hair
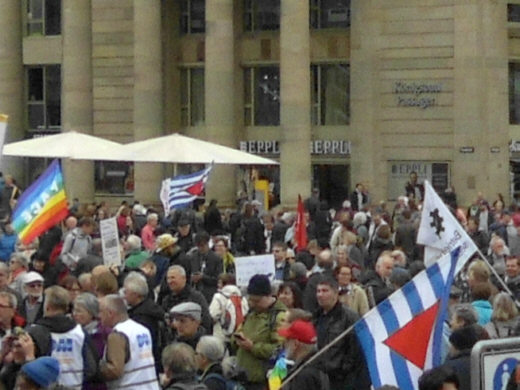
[(18, 267), (142, 309), (148, 232), (209, 353), (378, 284), (31, 308), (135, 255), (128, 360)]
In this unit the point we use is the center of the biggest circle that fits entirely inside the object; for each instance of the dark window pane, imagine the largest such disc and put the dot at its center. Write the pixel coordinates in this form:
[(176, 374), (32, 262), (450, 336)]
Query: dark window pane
[(114, 177), (267, 15), (35, 9), (335, 95), (267, 96), (53, 17), (514, 93), (35, 84), (198, 23), (335, 13), (53, 95), (36, 116), (513, 12)]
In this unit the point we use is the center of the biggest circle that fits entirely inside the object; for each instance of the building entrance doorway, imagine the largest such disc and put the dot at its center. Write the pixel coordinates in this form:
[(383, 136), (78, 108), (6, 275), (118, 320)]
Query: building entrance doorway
[(333, 183)]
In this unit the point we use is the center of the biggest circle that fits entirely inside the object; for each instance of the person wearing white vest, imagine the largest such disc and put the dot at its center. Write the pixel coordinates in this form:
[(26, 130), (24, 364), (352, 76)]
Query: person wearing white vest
[(70, 345), (128, 362)]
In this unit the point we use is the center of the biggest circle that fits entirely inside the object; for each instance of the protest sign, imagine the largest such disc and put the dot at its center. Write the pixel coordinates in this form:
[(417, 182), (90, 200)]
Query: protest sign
[(110, 241), (247, 267)]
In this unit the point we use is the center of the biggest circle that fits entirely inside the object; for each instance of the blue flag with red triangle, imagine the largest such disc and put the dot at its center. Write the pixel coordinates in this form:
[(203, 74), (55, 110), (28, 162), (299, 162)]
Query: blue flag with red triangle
[(402, 336)]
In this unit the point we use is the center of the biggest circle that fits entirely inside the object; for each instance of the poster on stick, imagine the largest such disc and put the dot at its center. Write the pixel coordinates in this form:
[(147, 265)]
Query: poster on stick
[(110, 241), (248, 266)]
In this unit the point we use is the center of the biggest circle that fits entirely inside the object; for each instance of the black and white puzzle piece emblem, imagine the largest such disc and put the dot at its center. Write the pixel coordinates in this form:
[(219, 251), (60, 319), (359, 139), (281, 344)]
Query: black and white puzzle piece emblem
[(437, 221)]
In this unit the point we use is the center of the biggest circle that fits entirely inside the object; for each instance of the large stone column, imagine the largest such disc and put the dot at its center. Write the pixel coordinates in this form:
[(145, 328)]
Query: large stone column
[(76, 94), (219, 93), (11, 78), (295, 100), (148, 93)]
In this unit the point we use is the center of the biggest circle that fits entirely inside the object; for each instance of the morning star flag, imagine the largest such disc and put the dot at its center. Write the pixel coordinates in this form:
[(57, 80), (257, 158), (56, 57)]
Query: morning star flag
[(402, 336), (181, 190), (440, 231), (42, 205)]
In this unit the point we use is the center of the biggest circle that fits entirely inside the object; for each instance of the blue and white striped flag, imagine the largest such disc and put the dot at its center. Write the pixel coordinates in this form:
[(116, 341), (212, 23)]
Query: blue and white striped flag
[(402, 336), (181, 190)]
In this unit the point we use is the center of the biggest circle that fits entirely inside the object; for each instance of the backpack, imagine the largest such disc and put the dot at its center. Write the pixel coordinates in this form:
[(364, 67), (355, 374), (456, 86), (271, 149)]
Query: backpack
[(230, 384), (189, 386), (233, 315)]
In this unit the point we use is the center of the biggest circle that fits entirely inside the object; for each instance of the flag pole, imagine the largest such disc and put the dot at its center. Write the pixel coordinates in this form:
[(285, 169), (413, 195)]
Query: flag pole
[(494, 272), (317, 354)]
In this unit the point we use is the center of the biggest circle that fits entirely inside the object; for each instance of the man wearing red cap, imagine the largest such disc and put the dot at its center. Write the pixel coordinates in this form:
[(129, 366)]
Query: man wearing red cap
[(300, 344)]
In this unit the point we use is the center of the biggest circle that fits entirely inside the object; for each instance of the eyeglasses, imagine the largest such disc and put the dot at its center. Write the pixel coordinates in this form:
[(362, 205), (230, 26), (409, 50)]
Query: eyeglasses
[(33, 285), (291, 258)]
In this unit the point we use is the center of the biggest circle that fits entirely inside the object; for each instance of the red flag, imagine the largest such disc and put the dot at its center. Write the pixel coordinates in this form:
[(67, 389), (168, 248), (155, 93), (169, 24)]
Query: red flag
[(300, 230)]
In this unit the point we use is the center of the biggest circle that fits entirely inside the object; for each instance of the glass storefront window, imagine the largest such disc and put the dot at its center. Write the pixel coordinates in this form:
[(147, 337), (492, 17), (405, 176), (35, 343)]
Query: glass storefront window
[(43, 97), (192, 97), (329, 14), (193, 16), (514, 93), (262, 96), (113, 177), (43, 17), (513, 12), (261, 15), (330, 94)]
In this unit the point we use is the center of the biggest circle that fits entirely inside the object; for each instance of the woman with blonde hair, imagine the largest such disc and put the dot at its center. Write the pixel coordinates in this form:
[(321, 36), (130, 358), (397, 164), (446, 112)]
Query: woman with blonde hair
[(504, 317)]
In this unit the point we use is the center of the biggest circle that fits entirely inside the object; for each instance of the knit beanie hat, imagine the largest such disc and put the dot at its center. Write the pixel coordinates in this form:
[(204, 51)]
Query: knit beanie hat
[(43, 371), (259, 285)]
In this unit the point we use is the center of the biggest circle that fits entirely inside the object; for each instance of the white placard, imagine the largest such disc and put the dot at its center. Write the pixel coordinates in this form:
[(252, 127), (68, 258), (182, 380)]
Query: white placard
[(110, 241), (247, 267)]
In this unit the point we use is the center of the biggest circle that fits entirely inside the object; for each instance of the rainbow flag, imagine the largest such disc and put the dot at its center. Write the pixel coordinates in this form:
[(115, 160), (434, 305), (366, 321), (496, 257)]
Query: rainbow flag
[(42, 205)]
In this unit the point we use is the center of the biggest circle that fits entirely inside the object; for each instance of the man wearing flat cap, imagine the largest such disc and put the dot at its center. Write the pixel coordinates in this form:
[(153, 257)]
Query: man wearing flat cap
[(185, 320), (258, 337)]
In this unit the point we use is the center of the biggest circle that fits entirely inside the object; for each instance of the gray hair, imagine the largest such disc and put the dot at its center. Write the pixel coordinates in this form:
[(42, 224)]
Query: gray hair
[(4, 267), (466, 313), (136, 282), (211, 347), (21, 258), (360, 218), (180, 269), (84, 278), (133, 241), (151, 217), (115, 303), (13, 302), (179, 358), (89, 302)]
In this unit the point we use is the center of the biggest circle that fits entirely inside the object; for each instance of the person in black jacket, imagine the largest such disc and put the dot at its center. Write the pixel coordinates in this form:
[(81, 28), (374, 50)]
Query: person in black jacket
[(206, 266), (378, 283), (144, 310), (210, 352), (212, 218), (181, 292), (343, 362)]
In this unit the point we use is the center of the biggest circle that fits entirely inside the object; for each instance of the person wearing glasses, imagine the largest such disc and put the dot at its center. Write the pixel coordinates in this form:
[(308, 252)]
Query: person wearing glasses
[(31, 308)]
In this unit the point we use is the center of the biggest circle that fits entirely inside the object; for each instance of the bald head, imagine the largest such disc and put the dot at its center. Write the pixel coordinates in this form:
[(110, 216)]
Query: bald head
[(325, 259)]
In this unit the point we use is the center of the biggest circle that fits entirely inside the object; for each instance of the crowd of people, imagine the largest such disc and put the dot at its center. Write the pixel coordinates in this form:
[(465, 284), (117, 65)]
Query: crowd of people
[(172, 315)]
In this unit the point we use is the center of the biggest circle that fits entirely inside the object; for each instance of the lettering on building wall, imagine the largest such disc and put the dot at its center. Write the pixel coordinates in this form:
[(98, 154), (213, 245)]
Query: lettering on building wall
[(317, 147), (416, 94)]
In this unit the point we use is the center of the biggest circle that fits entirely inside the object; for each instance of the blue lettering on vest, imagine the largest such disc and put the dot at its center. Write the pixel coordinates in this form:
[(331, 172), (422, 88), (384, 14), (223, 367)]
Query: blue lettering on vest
[(142, 340), (63, 345)]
